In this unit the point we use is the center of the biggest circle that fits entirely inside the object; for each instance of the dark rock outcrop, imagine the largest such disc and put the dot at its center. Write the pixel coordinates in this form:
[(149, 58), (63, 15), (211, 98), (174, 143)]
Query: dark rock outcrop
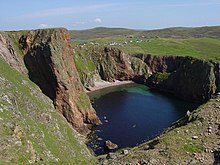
[(193, 80), (49, 60), (161, 63), (217, 75)]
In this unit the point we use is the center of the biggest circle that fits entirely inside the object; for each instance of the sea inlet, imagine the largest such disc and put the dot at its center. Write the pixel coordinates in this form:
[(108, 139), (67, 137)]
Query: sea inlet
[(132, 114)]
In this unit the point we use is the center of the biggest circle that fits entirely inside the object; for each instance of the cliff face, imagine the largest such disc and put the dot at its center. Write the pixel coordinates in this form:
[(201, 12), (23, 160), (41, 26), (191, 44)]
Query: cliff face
[(186, 77), (97, 63), (192, 80), (48, 57), (161, 63), (114, 65), (217, 75)]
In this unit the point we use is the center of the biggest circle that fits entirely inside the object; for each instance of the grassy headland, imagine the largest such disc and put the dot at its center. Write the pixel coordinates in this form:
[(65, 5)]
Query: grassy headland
[(200, 42)]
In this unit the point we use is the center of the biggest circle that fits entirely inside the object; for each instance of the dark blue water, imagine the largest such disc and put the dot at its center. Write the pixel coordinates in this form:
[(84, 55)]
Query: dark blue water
[(133, 114)]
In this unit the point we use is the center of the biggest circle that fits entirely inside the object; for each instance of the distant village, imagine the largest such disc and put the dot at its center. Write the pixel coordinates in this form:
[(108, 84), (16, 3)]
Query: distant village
[(128, 39)]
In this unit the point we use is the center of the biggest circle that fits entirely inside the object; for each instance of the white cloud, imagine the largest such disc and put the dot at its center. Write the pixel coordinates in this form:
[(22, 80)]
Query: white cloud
[(43, 25), (97, 20)]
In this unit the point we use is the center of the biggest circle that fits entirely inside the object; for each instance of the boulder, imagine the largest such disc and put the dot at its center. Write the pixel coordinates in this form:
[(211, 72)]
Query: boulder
[(125, 152), (109, 145)]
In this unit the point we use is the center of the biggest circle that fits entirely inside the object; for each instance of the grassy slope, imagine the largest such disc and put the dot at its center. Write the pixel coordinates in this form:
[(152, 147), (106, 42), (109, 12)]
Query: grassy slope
[(99, 32), (177, 32), (30, 128)]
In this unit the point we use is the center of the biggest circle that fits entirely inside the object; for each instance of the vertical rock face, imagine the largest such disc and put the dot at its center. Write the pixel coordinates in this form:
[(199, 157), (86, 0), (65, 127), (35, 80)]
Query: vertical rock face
[(217, 75), (193, 80), (114, 65), (161, 63), (186, 77), (9, 54), (96, 63), (49, 60)]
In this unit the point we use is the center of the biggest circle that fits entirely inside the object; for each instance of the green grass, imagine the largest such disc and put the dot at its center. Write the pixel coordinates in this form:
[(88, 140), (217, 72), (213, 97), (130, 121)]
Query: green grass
[(15, 36), (192, 147), (85, 66), (83, 102), (160, 77)]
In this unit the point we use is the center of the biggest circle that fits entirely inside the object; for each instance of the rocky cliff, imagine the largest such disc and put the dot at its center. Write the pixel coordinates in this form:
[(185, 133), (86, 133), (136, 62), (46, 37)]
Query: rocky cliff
[(48, 57), (185, 77), (98, 63), (31, 129)]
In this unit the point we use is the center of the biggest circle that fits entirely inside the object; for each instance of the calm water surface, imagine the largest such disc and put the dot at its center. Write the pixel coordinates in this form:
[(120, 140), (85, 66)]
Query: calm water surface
[(132, 114)]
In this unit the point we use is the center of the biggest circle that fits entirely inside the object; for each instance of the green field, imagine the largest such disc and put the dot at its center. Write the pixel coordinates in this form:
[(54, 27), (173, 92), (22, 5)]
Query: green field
[(204, 48)]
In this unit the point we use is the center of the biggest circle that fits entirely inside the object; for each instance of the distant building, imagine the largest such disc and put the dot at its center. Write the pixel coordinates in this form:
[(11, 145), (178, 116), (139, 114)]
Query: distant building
[(130, 36)]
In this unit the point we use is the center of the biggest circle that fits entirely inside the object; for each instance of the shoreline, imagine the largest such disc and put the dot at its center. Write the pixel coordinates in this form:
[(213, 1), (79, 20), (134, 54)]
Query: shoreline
[(105, 84)]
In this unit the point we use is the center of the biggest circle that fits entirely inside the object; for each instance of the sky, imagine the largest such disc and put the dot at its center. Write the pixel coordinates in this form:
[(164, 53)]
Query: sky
[(86, 14)]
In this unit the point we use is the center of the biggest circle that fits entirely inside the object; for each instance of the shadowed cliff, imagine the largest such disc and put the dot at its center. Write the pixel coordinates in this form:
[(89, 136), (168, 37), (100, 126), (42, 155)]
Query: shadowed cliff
[(48, 57)]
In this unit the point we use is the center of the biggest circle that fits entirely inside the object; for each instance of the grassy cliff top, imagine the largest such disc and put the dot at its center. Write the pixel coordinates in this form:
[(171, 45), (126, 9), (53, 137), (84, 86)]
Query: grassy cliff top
[(202, 48), (200, 42)]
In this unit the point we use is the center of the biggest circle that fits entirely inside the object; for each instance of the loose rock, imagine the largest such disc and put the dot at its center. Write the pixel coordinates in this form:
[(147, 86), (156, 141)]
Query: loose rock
[(109, 145), (111, 156), (125, 152), (195, 137)]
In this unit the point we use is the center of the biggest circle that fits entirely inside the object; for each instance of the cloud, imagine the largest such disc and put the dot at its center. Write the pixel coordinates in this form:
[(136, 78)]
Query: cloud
[(65, 11), (97, 20), (44, 25)]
